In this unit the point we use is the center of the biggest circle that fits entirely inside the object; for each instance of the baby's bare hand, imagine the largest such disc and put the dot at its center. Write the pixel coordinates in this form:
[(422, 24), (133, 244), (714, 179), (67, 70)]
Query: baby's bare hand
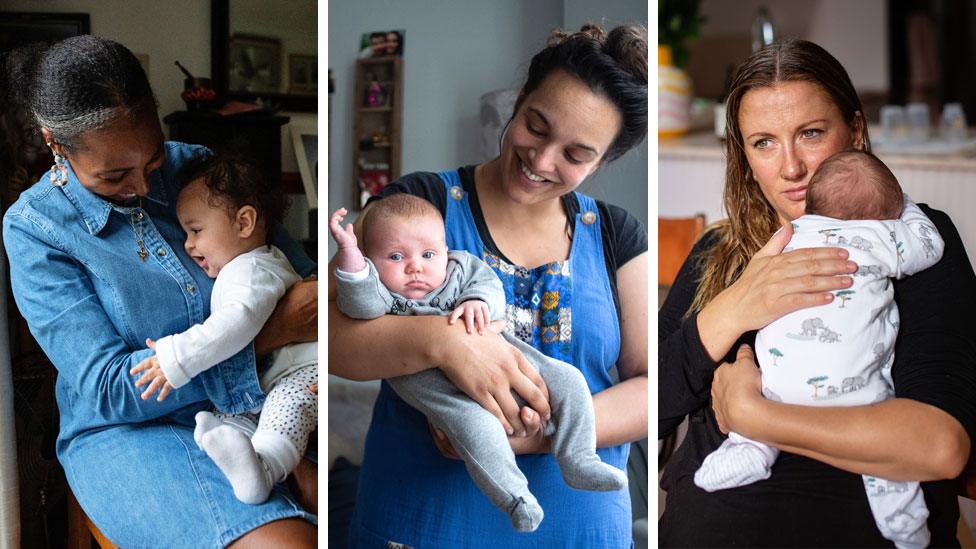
[(152, 373), (475, 313), (345, 237)]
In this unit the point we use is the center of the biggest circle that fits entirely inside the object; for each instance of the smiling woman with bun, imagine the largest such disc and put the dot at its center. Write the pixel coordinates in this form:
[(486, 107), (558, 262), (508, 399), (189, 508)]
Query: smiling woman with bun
[(575, 277)]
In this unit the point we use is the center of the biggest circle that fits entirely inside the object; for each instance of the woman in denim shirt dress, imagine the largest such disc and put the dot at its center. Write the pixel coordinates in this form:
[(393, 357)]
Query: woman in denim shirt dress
[(97, 266)]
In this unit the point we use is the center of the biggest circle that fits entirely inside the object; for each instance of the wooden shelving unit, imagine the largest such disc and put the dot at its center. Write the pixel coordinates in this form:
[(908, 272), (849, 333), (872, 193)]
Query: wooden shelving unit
[(377, 115)]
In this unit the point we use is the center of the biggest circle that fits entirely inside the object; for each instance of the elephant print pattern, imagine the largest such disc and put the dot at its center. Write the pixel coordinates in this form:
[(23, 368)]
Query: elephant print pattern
[(840, 354)]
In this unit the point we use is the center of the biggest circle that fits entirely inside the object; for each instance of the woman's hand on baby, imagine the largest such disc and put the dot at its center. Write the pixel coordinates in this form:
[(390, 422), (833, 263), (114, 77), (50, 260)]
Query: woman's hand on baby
[(344, 236), (475, 314), (152, 373), (735, 386), (488, 369), (441, 442), (295, 318), (776, 283), (534, 442)]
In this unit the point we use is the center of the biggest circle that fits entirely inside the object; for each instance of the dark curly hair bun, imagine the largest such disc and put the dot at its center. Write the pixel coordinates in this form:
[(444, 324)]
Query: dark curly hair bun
[(612, 64)]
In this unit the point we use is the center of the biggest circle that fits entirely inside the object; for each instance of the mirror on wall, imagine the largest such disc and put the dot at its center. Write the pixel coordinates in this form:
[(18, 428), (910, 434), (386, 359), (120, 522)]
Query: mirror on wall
[(266, 50)]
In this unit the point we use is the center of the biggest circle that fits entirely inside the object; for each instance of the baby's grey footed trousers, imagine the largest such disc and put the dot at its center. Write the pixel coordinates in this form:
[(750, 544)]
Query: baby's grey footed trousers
[(477, 435), (479, 438)]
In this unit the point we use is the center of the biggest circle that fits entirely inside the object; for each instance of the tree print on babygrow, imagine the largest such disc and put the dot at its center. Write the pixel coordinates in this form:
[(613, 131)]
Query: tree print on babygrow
[(828, 234), (844, 296), (847, 385), (855, 383), (817, 385)]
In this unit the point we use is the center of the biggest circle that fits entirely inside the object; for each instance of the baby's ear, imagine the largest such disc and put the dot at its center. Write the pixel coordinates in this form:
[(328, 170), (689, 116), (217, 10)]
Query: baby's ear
[(246, 221)]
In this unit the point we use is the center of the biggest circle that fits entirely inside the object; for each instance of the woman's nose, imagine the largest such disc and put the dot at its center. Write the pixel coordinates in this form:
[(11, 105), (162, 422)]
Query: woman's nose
[(793, 167), (541, 158), (140, 186)]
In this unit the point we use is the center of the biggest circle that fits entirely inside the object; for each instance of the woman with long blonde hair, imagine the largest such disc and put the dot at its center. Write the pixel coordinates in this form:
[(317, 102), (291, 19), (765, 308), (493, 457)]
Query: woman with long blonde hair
[(791, 106)]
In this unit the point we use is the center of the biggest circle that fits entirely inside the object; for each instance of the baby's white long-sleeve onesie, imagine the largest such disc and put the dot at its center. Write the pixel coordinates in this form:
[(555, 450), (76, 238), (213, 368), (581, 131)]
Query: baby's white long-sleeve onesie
[(840, 354)]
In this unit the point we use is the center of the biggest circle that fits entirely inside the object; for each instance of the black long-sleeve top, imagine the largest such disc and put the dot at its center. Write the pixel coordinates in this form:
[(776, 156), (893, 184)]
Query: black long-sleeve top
[(806, 502)]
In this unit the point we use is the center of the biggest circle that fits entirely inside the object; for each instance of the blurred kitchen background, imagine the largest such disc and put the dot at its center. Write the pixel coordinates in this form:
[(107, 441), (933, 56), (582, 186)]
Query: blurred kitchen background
[(910, 61)]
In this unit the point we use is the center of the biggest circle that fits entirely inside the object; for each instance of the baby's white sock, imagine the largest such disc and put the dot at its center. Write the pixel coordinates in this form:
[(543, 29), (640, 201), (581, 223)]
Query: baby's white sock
[(737, 462), (278, 453), (205, 422), (233, 452)]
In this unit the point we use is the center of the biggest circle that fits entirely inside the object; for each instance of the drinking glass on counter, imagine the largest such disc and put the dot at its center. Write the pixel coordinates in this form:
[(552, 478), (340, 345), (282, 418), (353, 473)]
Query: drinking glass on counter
[(918, 122), (894, 124), (954, 127)]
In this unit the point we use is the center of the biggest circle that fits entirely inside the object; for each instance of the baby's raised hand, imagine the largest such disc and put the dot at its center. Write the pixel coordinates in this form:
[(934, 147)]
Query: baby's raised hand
[(475, 313), (345, 237), (152, 373)]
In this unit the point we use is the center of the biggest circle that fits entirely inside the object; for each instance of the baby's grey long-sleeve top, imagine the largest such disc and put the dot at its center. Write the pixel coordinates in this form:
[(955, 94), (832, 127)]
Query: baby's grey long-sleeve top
[(361, 295)]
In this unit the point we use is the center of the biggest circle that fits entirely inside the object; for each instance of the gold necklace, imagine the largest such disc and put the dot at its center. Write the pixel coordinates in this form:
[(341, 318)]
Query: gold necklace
[(137, 230)]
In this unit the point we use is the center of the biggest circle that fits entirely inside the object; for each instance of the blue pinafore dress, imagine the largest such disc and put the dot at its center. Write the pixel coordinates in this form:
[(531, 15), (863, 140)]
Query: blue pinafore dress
[(410, 495)]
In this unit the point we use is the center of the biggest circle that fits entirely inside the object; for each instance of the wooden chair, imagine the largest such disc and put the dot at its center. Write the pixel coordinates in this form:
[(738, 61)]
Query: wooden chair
[(967, 489), (81, 530), (675, 237)]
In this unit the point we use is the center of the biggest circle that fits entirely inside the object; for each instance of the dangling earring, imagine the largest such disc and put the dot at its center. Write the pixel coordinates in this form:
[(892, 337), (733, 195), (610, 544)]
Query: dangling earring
[(59, 171)]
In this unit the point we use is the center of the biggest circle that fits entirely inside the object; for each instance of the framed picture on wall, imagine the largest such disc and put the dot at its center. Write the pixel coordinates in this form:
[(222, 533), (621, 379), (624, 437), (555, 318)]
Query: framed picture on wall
[(305, 138), (255, 64), (303, 75), (381, 43), (21, 28)]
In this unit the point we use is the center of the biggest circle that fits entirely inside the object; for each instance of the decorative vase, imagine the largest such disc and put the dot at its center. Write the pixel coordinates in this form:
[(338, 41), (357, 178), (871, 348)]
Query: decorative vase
[(198, 93), (673, 97)]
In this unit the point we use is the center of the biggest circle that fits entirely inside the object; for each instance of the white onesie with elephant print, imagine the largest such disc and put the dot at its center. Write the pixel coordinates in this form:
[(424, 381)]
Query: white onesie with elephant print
[(840, 354)]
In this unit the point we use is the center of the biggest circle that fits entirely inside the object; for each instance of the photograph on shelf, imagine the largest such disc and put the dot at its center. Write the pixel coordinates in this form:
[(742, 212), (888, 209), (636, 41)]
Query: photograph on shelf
[(381, 43), (303, 74), (373, 176), (255, 64)]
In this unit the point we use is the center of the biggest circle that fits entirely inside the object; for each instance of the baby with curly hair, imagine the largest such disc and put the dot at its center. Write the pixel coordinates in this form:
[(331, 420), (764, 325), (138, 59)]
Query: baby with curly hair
[(226, 208)]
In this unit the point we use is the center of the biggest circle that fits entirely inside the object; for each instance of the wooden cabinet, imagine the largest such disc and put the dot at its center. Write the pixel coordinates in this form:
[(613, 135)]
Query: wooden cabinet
[(377, 113), (256, 136)]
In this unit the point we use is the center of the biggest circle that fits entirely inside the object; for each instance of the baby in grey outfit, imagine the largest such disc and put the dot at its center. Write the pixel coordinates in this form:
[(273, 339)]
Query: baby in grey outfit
[(408, 270)]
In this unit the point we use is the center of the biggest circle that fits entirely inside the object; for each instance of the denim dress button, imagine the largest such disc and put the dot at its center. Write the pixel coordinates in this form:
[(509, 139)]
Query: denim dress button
[(161, 252), (191, 288), (457, 193), (588, 218)]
